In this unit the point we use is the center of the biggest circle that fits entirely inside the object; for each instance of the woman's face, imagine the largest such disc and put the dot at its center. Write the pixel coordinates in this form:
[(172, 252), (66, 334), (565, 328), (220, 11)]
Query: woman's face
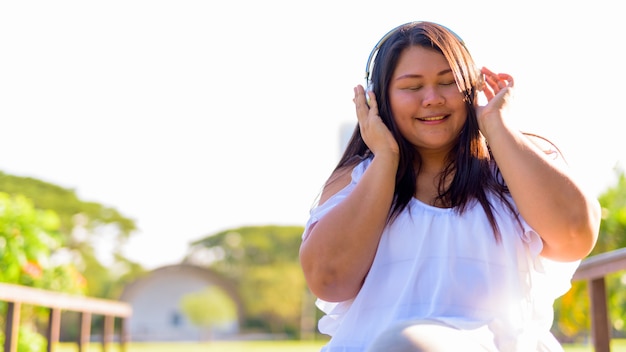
[(426, 103)]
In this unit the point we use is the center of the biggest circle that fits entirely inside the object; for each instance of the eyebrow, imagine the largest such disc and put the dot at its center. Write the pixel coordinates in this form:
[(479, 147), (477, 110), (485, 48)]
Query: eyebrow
[(411, 75)]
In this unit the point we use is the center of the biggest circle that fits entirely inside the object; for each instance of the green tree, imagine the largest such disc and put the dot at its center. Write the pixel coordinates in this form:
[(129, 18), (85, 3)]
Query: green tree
[(79, 222), (67, 205), (29, 243), (572, 311), (613, 227), (263, 260), (29, 240), (209, 308), (28, 340)]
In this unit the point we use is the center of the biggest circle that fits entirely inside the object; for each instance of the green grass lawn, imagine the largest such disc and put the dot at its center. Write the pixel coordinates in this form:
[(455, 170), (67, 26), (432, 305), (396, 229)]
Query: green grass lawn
[(264, 346), (617, 345), (221, 346)]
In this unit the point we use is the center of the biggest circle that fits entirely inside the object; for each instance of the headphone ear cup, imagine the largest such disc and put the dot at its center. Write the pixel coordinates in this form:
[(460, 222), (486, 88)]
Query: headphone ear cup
[(370, 88)]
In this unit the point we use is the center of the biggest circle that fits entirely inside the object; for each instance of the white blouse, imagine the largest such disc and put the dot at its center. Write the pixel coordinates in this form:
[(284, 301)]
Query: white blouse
[(436, 264)]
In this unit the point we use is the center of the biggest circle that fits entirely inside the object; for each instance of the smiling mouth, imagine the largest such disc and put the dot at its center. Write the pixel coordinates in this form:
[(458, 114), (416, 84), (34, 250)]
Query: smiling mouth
[(432, 118)]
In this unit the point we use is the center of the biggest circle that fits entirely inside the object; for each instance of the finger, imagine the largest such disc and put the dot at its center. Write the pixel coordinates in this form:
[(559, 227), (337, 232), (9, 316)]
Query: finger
[(360, 103), (506, 78), (491, 87), (501, 79), (373, 103), (493, 84), (487, 72)]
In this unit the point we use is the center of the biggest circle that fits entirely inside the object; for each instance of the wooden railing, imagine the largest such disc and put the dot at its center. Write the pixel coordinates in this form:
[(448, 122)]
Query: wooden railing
[(16, 295), (594, 269)]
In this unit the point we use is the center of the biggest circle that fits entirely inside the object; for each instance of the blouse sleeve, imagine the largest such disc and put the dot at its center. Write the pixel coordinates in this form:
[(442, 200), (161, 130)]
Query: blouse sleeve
[(320, 210), (552, 278)]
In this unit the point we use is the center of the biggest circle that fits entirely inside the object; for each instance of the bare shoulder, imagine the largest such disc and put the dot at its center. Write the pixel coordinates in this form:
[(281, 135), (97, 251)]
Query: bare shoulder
[(339, 179)]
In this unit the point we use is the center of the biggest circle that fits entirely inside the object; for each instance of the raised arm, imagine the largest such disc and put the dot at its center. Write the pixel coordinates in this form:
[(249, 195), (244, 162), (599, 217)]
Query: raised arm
[(545, 193), (338, 250)]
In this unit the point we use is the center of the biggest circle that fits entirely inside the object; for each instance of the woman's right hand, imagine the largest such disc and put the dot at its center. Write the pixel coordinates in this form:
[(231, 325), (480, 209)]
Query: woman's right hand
[(375, 133)]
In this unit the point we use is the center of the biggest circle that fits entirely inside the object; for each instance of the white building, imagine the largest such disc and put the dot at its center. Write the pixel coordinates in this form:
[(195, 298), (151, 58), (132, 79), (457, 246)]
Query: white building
[(155, 300)]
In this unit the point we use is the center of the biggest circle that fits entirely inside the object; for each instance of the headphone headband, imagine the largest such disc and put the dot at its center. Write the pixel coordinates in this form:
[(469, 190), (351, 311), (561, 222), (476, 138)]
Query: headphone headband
[(382, 40), (376, 48)]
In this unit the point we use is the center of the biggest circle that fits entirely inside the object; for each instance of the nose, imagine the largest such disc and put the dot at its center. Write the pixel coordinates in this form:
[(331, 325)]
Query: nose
[(432, 96)]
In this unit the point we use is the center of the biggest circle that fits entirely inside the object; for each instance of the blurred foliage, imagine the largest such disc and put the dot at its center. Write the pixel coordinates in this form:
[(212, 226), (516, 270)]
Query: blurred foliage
[(79, 224), (29, 256), (572, 311), (613, 226), (28, 340), (29, 240), (209, 308), (263, 261), (47, 237), (66, 204)]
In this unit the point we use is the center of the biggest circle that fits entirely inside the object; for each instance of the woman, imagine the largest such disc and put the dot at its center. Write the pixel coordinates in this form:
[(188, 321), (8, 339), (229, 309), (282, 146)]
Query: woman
[(442, 228)]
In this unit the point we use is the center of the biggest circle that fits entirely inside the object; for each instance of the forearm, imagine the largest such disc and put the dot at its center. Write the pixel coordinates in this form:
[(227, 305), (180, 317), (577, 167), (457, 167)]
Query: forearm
[(546, 195), (340, 248)]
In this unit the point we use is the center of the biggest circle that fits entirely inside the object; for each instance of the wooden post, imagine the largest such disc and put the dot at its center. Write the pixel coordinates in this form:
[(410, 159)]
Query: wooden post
[(307, 318), (85, 331), (124, 334), (12, 326), (107, 335), (54, 326), (600, 327)]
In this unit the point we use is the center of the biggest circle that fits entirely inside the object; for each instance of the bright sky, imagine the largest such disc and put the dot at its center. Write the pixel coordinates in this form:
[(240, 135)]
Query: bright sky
[(193, 117)]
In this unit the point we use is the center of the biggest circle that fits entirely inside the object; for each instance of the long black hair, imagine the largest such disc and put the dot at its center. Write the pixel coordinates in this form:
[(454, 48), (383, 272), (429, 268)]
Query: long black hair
[(469, 163)]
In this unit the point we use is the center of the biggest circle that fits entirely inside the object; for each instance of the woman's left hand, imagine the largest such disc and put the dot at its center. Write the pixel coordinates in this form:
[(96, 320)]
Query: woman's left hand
[(498, 90)]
